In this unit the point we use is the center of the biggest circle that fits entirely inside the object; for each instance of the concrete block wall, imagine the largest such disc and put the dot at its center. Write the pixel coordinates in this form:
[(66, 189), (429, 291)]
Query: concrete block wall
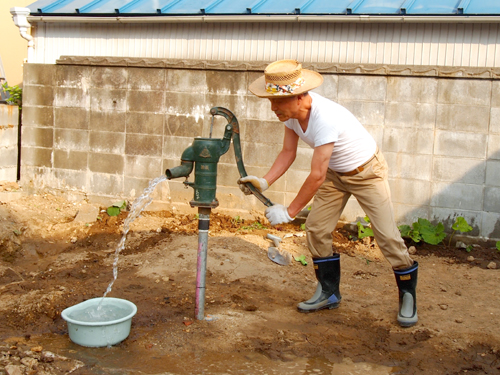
[(106, 127), (9, 128)]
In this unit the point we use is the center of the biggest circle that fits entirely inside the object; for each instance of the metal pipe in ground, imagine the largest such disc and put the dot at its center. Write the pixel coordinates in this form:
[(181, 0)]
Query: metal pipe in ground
[(201, 270)]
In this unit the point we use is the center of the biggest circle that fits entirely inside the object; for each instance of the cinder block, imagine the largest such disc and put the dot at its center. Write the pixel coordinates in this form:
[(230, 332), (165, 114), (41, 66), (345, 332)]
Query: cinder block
[(493, 173), (469, 92), (449, 216), (8, 174), (146, 79), (107, 142), (71, 118), (377, 132), (36, 157), (106, 163), (37, 137), (226, 82), (39, 74), (492, 199), (69, 159), (259, 109), (173, 147), (461, 144), (9, 115), (183, 126), (71, 139), (227, 175), (190, 81), (184, 104), (410, 115), (8, 136), (413, 90), (260, 155), (237, 104), (303, 160), (463, 118), (145, 123), (141, 144), (495, 121), (369, 88), (111, 121), (106, 184), (109, 78), (294, 180), (265, 132), (495, 94), (410, 166), (490, 226), (410, 141), (77, 76), (145, 101), (108, 100), (466, 171), (71, 179), (457, 196), (411, 192), (352, 212), (38, 95), (368, 113), (329, 88), (408, 214), (38, 116), (8, 156), (135, 187), (72, 97), (494, 146), (143, 167)]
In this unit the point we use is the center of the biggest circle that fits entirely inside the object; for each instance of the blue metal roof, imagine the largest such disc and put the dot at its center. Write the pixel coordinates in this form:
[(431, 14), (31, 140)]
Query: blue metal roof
[(265, 7)]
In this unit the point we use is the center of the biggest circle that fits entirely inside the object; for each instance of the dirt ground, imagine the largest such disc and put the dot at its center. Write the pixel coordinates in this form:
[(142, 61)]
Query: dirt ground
[(49, 261)]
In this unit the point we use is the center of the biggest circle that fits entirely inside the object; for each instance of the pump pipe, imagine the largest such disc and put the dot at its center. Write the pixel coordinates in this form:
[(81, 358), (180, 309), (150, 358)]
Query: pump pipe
[(20, 17)]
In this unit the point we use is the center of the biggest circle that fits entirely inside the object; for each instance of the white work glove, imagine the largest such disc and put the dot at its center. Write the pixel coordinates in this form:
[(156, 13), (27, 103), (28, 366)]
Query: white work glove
[(259, 183), (278, 214)]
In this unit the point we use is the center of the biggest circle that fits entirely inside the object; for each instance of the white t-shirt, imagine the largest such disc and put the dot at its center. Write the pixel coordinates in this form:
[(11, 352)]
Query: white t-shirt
[(330, 122)]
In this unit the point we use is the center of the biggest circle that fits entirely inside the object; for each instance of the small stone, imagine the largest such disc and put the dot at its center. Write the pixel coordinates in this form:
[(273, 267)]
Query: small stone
[(36, 349), (73, 239), (412, 250), (459, 320), (460, 245), (492, 266), (443, 306), (470, 258), (13, 370)]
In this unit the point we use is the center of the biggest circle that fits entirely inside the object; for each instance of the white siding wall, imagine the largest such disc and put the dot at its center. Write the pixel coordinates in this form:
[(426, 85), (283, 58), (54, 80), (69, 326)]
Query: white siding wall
[(444, 44)]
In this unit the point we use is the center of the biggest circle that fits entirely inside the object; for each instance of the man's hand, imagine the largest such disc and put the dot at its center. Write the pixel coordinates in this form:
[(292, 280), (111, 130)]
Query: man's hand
[(278, 214), (259, 183)]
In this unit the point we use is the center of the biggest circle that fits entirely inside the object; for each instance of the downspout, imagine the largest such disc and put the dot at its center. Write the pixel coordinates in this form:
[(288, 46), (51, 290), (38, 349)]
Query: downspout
[(20, 17)]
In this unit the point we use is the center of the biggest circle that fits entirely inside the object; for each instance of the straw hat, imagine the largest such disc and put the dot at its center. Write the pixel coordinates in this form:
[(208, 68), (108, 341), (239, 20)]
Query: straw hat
[(285, 78)]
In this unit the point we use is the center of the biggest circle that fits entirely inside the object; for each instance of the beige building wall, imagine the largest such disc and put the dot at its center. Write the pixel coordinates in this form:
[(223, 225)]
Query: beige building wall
[(13, 48)]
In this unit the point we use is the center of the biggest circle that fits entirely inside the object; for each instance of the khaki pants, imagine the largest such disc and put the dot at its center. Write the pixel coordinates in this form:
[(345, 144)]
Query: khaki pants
[(371, 189)]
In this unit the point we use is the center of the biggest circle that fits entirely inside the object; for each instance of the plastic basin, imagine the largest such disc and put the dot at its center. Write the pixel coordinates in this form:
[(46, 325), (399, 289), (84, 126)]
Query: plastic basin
[(88, 326)]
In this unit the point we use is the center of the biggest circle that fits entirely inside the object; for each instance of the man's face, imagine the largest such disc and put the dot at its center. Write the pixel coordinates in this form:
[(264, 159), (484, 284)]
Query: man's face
[(285, 108)]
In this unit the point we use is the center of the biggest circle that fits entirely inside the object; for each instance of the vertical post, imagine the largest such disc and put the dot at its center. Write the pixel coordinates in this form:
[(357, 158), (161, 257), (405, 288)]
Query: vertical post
[(201, 270)]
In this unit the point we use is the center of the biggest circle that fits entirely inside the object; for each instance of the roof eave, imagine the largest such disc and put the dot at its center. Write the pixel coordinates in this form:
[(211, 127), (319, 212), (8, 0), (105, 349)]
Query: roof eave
[(268, 18)]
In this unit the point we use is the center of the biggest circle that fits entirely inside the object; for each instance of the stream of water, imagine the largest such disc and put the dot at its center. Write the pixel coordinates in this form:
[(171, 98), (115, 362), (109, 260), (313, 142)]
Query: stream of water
[(138, 206)]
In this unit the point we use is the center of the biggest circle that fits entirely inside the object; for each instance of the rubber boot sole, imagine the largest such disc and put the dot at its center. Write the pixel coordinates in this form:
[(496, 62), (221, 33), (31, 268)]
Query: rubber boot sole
[(314, 309)]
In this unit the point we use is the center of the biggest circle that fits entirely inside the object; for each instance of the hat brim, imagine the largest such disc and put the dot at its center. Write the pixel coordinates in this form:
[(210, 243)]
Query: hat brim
[(312, 80)]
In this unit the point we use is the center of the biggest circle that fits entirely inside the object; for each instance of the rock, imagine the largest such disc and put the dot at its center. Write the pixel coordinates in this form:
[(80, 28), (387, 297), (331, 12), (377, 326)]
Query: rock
[(460, 245), (412, 250), (443, 306), (87, 214), (492, 265), (13, 370), (470, 258)]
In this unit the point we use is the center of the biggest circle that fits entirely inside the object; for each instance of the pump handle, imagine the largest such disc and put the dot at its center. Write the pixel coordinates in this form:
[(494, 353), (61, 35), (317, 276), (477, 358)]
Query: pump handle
[(233, 121)]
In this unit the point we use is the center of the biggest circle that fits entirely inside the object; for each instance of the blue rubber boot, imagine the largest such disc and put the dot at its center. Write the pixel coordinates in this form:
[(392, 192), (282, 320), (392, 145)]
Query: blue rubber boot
[(407, 285), (327, 295)]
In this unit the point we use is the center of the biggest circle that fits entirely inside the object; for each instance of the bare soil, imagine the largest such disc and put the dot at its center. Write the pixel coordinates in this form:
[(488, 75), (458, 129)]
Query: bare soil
[(49, 261)]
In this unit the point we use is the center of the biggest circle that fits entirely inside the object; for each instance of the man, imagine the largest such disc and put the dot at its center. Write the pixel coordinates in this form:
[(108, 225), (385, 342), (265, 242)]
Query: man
[(345, 161)]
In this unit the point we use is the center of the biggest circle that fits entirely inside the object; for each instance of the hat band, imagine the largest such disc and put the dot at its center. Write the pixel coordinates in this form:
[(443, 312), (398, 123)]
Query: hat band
[(288, 89)]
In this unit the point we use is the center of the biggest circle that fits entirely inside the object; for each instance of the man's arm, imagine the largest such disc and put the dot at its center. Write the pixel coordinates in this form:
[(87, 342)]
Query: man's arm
[(319, 166), (285, 158)]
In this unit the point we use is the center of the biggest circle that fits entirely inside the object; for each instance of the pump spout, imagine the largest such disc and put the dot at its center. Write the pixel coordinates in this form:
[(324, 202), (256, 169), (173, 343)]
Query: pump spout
[(183, 170)]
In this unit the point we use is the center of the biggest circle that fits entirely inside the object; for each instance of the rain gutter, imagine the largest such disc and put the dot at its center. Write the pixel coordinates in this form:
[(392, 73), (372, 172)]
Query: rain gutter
[(268, 18)]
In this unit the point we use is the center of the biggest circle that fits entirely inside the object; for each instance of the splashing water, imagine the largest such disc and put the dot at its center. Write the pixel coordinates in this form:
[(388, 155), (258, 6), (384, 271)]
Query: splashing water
[(137, 207)]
